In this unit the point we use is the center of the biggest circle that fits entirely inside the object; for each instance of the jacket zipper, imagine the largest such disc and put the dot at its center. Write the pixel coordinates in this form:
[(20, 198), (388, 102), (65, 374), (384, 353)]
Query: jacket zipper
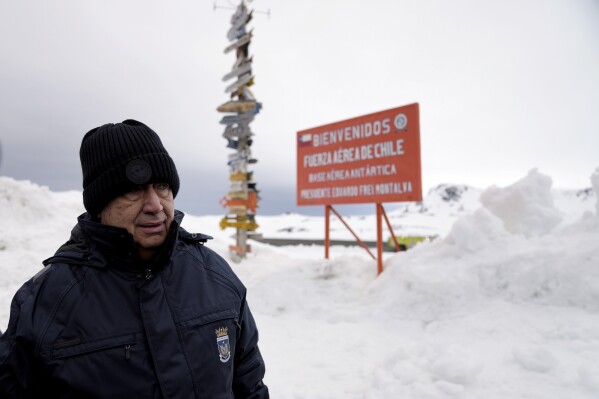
[(69, 349), (145, 276), (148, 274)]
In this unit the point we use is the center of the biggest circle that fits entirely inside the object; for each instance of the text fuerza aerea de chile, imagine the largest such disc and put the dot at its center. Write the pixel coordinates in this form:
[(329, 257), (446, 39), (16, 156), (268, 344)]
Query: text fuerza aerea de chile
[(352, 154)]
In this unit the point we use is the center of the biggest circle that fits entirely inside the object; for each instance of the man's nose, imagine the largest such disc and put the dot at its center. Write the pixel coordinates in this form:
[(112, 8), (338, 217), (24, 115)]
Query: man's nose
[(151, 200)]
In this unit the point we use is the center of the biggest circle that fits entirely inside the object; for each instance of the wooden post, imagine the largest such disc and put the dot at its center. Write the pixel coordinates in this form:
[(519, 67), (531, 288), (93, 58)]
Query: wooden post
[(242, 242), (242, 198)]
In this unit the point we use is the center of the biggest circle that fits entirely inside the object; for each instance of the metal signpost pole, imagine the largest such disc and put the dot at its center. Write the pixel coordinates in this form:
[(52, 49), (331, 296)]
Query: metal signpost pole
[(379, 238), (327, 229)]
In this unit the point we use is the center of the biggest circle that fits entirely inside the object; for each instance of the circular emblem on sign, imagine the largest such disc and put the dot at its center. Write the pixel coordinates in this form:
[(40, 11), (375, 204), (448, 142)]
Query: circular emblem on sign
[(138, 171), (401, 121)]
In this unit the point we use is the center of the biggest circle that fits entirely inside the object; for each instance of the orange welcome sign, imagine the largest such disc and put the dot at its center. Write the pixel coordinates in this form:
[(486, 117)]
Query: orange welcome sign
[(373, 158)]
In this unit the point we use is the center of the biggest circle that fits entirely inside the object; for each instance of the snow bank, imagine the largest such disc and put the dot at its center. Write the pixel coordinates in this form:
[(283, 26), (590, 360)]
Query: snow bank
[(34, 223), (525, 207), (508, 300), (504, 249)]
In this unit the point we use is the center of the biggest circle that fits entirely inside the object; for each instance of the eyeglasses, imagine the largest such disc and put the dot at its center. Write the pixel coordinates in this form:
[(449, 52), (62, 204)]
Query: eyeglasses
[(162, 190)]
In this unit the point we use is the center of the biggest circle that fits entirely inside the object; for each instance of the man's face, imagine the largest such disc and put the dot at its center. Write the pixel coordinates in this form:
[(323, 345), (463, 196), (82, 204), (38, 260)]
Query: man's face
[(146, 212)]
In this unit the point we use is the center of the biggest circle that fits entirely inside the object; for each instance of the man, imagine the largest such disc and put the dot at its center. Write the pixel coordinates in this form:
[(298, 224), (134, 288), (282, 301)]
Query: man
[(132, 306)]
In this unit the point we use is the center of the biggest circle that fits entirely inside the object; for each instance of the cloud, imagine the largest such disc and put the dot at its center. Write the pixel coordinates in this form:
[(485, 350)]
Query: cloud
[(504, 87)]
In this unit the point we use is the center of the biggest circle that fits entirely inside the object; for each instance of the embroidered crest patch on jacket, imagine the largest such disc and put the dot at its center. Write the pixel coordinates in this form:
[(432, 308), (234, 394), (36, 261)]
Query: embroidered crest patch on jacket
[(222, 341)]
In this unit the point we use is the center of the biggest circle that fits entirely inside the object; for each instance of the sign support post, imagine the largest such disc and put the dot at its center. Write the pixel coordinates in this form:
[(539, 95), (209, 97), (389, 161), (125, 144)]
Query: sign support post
[(327, 225), (380, 214), (379, 238)]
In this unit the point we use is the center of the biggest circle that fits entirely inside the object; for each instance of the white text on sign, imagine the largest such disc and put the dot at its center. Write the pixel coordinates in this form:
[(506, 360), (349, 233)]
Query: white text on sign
[(359, 190), (350, 133), (353, 154), (355, 173)]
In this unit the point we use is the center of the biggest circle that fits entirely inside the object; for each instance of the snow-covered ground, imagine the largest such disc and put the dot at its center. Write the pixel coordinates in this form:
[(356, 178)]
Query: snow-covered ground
[(503, 304)]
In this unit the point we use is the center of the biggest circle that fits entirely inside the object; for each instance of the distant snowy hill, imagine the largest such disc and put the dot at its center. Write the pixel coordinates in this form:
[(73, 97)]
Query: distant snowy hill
[(434, 216), (503, 304)]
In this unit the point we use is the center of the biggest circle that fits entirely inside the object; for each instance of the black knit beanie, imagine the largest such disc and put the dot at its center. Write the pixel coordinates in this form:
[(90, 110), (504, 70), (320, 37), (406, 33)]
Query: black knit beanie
[(116, 158)]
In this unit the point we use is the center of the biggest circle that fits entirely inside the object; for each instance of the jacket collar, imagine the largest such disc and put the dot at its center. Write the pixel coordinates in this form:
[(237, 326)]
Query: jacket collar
[(99, 245)]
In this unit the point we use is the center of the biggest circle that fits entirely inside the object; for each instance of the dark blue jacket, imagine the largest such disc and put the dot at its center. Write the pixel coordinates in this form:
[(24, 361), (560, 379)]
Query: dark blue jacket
[(96, 323)]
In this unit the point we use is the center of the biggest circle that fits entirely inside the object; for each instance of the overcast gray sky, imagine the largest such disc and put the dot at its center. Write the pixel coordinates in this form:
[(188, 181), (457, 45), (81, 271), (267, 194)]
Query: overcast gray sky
[(503, 86)]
